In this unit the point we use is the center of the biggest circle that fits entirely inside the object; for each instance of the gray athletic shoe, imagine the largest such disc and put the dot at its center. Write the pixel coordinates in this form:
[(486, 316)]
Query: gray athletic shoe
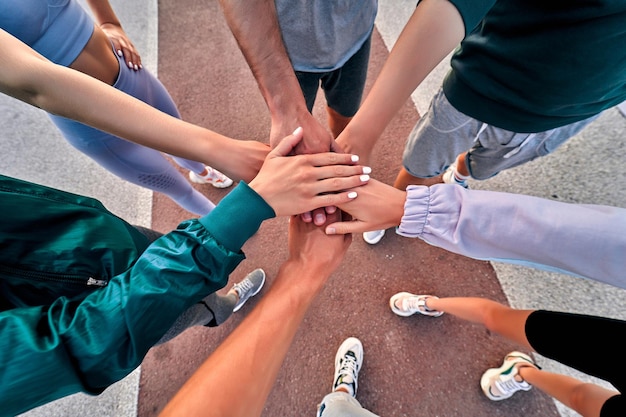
[(249, 287)]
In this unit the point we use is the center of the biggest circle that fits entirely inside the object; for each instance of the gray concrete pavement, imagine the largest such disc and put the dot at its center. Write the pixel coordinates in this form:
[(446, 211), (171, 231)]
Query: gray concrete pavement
[(588, 169)]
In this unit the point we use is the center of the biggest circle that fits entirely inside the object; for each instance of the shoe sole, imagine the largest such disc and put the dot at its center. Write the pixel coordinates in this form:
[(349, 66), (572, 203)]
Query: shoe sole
[(485, 380), (375, 240), (193, 177)]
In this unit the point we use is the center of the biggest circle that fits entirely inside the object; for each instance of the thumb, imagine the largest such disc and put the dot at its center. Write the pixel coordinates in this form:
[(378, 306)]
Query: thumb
[(286, 145)]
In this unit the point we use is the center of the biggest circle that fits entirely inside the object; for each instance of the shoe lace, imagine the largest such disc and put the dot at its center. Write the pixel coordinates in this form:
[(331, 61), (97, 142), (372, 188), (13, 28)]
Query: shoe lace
[(243, 287), (508, 385), (412, 304), (349, 368)]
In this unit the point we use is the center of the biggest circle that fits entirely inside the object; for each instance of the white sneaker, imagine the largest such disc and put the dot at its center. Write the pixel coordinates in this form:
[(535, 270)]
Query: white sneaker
[(213, 177), (451, 176), (374, 236), (348, 362), (501, 383)]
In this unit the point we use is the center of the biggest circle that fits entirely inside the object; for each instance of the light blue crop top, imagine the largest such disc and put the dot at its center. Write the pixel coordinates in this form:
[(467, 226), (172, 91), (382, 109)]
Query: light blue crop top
[(57, 29)]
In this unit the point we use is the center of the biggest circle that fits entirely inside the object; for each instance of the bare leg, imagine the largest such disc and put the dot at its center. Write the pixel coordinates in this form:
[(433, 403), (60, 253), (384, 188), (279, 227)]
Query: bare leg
[(404, 179), (496, 317), (584, 398), (461, 166), (336, 122)]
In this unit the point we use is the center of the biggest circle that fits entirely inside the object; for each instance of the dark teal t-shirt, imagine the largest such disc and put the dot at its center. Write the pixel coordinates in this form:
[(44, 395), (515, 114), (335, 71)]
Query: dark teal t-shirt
[(534, 65)]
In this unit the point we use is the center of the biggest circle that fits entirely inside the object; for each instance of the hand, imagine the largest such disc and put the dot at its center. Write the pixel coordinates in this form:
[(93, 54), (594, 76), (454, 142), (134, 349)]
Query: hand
[(316, 137), (122, 45), (313, 250), (379, 206), (301, 183), (350, 144), (244, 161)]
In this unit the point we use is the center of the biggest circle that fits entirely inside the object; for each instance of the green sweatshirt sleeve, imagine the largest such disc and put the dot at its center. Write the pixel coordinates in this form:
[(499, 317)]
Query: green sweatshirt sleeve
[(87, 344)]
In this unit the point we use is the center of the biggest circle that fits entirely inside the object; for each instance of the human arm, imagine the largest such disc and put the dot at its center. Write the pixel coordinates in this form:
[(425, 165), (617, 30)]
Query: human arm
[(577, 239), (259, 344), (108, 21), (432, 32), (27, 76), (255, 27)]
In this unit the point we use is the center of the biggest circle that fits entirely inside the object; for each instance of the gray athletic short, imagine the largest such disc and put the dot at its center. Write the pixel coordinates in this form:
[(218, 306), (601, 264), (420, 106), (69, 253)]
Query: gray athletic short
[(443, 133)]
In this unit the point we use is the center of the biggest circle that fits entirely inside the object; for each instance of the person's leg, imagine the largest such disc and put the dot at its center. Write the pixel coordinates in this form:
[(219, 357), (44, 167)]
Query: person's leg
[(585, 398), (438, 137), (341, 402), (578, 341), (496, 317), (134, 163), (343, 89), (215, 309), (309, 84)]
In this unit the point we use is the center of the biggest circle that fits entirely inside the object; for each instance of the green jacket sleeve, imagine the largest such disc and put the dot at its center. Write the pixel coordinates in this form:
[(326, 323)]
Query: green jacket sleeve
[(87, 344)]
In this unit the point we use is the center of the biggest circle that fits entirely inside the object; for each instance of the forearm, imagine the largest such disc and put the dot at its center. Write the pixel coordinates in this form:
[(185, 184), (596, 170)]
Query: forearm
[(255, 27), (258, 347), (29, 77), (583, 240), (432, 32)]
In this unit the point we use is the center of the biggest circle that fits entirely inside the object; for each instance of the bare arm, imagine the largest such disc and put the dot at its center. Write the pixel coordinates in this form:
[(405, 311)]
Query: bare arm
[(27, 76), (255, 27), (259, 345), (432, 32)]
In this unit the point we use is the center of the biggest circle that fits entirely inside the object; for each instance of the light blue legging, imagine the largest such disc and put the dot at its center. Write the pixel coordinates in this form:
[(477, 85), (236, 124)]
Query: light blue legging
[(136, 163)]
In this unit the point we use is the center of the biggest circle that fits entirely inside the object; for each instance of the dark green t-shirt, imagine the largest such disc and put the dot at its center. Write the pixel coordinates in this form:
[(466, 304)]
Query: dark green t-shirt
[(534, 65)]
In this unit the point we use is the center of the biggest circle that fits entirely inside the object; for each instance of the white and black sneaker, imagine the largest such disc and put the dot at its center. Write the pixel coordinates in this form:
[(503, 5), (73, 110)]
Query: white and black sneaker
[(348, 363)]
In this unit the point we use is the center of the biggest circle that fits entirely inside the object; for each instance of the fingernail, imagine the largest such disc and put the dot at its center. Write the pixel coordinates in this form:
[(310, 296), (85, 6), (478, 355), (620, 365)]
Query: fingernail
[(367, 170), (319, 218), (364, 178), (297, 131), (130, 65), (354, 158), (136, 67), (330, 231), (119, 52), (352, 194)]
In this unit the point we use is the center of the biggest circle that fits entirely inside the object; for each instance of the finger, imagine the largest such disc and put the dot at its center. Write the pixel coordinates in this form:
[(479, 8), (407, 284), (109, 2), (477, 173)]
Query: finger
[(319, 217), (326, 200), (330, 209), (337, 171), (286, 145), (306, 217), (333, 185), (332, 158), (343, 228)]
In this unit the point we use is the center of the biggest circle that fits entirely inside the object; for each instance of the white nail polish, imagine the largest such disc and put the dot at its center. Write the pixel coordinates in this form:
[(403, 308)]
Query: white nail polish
[(136, 67), (354, 158), (352, 194), (364, 178), (298, 130), (130, 65), (367, 170), (119, 52)]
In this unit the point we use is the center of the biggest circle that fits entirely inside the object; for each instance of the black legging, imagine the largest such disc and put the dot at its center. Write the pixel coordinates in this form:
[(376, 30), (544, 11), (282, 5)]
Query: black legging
[(590, 344)]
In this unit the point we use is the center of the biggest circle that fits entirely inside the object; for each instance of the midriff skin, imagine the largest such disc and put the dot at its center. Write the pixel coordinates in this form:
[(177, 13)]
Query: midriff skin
[(97, 59)]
